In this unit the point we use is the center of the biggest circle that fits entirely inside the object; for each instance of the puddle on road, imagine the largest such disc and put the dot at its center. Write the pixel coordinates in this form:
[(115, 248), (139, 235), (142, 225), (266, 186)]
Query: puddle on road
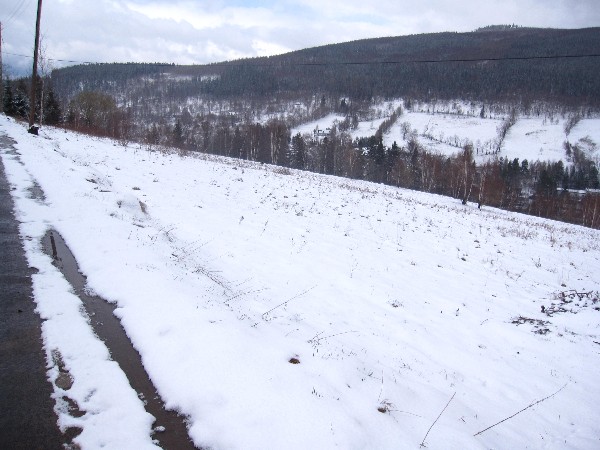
[(108, 328)]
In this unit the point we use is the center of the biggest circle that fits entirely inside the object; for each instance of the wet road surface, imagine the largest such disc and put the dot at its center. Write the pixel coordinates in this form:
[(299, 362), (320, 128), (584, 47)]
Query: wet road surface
[(27, 417)]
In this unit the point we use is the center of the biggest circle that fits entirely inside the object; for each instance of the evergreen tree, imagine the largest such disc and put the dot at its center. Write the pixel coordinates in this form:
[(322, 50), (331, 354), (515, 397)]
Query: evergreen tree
[(376, 153), (9, 101), (178, 135), (52, 110), (153, 136), (593, 177), (21, 100), (298, 152), (329, 150), (237, 144), (546, 185)]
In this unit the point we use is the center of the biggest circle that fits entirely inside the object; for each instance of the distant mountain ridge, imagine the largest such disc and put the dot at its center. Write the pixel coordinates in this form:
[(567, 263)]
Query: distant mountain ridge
[(477, 65)]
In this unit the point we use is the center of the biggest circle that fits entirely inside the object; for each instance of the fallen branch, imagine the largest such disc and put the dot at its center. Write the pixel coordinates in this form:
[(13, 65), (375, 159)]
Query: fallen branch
[(287, 301), (519, 412), (434, 422)]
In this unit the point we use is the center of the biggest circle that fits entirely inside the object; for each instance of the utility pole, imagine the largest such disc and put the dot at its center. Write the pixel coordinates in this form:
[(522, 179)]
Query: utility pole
[(1, 74), (33, 129)]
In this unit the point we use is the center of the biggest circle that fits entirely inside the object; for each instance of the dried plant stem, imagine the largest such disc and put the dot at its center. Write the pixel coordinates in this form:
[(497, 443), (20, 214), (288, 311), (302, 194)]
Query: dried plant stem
[(519, 412), (434, 422), (264, 316)]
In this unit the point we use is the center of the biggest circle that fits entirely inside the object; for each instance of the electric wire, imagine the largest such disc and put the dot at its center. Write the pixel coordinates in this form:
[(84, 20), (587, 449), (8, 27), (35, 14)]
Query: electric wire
[(56, 59), (355, 63), (17, 11)]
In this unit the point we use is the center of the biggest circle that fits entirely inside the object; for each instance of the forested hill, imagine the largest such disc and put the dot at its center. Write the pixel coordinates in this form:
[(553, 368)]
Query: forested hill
[(486, 64)]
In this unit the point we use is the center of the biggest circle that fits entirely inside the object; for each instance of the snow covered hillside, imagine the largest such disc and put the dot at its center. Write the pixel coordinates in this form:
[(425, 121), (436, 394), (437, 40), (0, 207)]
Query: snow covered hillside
[(446, 128), (279, 309)]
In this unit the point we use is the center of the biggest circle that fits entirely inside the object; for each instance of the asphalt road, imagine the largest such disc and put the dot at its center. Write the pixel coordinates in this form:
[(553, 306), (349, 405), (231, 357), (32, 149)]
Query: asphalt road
[(27, 417)]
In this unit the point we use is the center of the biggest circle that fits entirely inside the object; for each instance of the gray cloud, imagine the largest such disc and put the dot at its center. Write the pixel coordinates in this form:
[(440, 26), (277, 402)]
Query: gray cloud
[(186, 31)]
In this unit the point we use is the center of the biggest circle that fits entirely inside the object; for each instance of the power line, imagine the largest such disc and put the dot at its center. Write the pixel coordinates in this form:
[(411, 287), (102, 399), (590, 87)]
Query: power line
[(18, 10), (361, 63), (52, 59), (432, 61), (14, 11)]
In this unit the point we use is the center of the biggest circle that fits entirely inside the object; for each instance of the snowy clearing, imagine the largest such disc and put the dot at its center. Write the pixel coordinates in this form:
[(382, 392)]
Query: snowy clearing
[(387, 301), (446, 132)]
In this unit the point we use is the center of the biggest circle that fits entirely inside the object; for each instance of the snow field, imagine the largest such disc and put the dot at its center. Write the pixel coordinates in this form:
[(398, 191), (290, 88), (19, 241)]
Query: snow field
[(531, 138), (224, 270)]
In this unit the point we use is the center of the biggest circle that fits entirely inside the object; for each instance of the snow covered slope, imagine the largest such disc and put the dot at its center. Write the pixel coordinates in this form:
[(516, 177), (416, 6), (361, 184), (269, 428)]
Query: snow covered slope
[(391, 301), (446, 131)]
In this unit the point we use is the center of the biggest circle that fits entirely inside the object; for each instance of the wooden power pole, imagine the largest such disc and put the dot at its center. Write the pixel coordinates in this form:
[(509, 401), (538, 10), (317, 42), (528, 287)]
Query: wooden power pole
[(1, 74), (32, 128)]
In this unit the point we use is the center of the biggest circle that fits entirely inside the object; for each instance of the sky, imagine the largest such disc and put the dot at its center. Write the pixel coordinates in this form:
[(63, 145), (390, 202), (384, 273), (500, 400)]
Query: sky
[(205, 31)]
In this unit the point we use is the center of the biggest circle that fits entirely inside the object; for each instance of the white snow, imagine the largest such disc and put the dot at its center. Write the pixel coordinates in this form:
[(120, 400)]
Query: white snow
[(536, 139), (364, 129), (445, 129), (223, 270), (586, 128), (325, 122), (367, 128)]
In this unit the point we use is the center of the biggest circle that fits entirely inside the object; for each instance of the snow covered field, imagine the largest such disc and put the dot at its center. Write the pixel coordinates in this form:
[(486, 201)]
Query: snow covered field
[(392, 301), (435, 131), (531, 138), (326, 122)]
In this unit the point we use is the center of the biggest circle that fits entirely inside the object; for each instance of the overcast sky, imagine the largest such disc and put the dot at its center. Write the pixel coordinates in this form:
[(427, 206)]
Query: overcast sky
[(203, 31)]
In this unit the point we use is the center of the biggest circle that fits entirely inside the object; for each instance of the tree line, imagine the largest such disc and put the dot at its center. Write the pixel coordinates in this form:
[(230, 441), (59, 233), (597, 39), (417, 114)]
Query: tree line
[(88, 112), (546, 189), (16, 101)]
